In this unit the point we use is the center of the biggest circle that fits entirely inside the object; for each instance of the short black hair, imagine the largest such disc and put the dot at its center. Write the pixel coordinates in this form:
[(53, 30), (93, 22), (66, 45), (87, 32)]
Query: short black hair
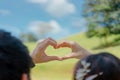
[(14, 57), (103, 62)]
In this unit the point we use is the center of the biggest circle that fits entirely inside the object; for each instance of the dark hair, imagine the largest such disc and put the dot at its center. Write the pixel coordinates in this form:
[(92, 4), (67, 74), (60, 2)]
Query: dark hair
[(14, 57), (103, 62)]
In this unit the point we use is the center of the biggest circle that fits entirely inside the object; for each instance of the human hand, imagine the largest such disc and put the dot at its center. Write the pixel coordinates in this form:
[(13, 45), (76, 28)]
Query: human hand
[(77, 51), (39, 55)]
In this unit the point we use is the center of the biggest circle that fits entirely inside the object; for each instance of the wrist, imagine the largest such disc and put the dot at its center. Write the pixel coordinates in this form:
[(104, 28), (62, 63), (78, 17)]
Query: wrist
[(83, 54)]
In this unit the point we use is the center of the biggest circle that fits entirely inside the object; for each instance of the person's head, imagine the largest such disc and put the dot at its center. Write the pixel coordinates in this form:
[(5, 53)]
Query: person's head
[(102, 66), (15, 61)]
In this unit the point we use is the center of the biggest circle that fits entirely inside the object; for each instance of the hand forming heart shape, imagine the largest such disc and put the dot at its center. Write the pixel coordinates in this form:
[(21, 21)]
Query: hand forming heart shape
[(40, 56)]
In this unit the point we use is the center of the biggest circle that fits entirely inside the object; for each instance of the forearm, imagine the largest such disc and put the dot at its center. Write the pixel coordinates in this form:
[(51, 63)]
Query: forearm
[(83, 52)]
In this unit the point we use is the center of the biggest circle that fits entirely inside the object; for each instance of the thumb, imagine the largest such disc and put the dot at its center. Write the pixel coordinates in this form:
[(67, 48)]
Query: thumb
[(68, 56), (72, 55), (51, 58)]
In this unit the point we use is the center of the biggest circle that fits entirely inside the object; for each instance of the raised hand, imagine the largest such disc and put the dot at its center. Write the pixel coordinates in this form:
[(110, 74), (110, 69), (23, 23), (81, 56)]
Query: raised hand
[(39, 55), (77, 50)]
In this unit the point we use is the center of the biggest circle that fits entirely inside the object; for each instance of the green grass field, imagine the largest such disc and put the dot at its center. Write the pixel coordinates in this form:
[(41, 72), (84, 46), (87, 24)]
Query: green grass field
[(63, 70)]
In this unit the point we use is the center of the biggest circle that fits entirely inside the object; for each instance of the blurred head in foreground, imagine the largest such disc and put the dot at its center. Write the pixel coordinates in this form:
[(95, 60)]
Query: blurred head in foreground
[(15, 61), (102, 66)]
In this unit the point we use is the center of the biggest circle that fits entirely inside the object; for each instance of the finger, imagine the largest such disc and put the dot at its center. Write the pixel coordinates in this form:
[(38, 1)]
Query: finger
[(46, 42), (51, 58), (40, 41), (72, 55), (51, 42), (67, 57), (52, 39), (43, 40), (64, 44)]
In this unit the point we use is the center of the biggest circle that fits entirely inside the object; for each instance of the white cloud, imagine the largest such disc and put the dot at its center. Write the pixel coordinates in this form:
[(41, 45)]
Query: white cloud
[(48, 29), (57, 8), (64, 33), (44, 28), (60, 8), (79, 23), (56, 26), (4, 12), (37, 1)]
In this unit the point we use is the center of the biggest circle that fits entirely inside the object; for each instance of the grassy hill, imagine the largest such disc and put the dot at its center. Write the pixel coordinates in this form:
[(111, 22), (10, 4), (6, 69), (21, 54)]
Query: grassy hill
[(62, 70)]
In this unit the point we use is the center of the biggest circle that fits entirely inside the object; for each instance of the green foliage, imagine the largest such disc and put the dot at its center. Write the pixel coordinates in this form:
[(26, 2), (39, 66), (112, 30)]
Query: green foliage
[(103, 17), (28, 37), (63, 70)]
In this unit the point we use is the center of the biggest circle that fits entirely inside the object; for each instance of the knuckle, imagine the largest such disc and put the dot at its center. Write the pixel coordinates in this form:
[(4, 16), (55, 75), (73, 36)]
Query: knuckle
[(72, 42)]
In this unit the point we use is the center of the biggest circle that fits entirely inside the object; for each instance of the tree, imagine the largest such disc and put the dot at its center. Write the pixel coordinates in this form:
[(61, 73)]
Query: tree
[(28, 37), (103, 18)]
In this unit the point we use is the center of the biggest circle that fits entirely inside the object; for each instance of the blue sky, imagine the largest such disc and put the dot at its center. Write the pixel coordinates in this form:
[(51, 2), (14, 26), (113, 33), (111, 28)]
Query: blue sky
[(52, 18)]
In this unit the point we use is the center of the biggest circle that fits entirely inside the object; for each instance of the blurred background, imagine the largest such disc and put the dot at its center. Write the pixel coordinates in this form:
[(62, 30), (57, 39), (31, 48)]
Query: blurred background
[(94, 24)]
